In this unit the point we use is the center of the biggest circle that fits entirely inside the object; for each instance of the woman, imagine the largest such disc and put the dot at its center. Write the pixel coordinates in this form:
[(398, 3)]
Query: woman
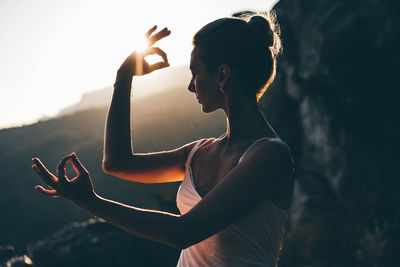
[(236, 189)]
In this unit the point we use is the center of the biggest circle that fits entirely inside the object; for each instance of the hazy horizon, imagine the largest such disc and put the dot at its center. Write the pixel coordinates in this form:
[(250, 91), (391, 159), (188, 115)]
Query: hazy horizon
[(140, 90), (54, 52)]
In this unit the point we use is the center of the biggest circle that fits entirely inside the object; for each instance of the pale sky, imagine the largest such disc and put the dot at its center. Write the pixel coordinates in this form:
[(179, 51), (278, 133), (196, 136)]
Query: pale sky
[(52, 51)]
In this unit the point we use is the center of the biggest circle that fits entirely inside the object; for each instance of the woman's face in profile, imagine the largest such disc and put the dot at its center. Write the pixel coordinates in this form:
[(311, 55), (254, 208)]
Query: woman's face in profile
[(204, 84)]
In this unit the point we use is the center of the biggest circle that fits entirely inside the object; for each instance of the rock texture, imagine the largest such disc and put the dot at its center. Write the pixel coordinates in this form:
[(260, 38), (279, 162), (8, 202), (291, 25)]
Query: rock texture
[(6, 253), (9, 258), (97, 243), (335, 102)]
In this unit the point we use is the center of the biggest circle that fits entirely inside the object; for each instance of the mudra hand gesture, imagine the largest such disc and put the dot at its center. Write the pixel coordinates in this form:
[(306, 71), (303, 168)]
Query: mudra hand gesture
[(136, 65), (78, 190)]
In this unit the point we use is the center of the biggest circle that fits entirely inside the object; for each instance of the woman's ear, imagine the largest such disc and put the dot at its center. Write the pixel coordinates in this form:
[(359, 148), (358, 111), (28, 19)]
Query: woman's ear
[(224, 73)]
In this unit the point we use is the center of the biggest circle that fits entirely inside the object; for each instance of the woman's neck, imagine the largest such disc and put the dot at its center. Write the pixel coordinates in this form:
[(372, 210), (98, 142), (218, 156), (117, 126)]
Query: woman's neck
[(244, 120)]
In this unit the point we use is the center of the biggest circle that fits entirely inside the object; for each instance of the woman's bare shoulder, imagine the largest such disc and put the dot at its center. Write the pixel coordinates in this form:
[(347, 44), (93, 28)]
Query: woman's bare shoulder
[(267, 146), (271, 160)]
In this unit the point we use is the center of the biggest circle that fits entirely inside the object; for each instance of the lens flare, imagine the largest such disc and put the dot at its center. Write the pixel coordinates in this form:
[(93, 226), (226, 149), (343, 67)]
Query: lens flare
[(141, 45)]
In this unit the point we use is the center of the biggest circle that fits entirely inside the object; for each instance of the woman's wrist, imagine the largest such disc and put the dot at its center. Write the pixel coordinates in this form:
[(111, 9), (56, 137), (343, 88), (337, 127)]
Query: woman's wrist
[(125, 73), (88, 203), (123, 79)]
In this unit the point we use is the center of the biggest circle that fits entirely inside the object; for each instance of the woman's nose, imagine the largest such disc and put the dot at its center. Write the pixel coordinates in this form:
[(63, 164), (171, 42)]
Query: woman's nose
[(191, 86)]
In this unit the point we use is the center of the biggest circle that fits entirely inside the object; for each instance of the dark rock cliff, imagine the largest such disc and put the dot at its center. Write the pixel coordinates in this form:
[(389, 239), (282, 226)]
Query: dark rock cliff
[(335, 102)]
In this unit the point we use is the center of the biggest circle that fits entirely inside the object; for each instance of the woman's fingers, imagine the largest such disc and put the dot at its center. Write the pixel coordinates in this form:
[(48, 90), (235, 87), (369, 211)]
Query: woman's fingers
[(77, 165), (158, 65), (61, 168), (158, 36), (149, 32), (157, 51), (41, 170), (52, 193)]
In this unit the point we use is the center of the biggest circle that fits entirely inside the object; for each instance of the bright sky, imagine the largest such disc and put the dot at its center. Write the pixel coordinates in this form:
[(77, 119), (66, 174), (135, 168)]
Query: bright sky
[(52, 51)]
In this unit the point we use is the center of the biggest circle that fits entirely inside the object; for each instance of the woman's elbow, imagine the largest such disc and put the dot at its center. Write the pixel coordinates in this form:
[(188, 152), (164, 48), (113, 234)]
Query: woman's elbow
[(109, 167), (116, 164), (119, 171)]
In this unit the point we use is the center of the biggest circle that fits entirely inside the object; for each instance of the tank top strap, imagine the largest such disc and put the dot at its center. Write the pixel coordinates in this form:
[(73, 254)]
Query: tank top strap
[(194, 149), (254, 143)]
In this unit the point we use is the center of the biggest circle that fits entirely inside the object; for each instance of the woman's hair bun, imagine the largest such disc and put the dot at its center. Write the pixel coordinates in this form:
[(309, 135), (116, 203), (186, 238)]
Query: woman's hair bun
[(261, 29)]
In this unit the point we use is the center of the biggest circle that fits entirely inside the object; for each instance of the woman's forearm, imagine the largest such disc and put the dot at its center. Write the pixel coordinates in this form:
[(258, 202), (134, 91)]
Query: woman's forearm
[(117, 139), (158, 226)]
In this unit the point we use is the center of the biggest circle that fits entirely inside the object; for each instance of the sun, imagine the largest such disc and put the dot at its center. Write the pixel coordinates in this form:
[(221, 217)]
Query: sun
[(141, 45)]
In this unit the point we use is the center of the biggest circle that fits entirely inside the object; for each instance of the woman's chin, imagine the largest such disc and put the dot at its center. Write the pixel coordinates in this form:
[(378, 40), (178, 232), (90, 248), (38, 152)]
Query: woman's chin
[(207, 109), (204, 108)]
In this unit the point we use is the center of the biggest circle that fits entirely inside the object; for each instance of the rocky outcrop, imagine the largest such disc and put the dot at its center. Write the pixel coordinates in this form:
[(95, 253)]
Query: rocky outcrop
[(97, 243), (335, 102), (9, 258), (6, 253)]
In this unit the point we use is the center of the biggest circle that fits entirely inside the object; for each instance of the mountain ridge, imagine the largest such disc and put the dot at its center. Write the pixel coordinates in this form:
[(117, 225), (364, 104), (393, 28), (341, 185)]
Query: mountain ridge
[(29, 215)]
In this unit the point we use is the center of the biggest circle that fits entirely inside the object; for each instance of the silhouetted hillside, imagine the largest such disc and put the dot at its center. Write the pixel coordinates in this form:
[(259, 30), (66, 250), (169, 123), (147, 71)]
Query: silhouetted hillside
[(173, 77), (164, 121)]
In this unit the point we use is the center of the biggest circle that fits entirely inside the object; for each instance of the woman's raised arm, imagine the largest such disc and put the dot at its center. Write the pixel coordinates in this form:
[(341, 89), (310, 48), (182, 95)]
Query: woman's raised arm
[(119, 158)]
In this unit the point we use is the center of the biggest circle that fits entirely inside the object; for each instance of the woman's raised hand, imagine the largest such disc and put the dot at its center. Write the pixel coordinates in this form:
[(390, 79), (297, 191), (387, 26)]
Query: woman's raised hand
[(79, 189), (136, 65)]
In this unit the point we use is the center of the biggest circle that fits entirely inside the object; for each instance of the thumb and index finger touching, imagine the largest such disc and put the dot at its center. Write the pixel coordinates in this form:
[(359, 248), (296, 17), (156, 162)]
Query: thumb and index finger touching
[(152, 39), (76, 164), (158, 51), (52, 180)]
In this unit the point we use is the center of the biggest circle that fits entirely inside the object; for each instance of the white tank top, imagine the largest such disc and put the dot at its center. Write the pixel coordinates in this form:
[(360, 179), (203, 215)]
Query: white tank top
[(254, 240)]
